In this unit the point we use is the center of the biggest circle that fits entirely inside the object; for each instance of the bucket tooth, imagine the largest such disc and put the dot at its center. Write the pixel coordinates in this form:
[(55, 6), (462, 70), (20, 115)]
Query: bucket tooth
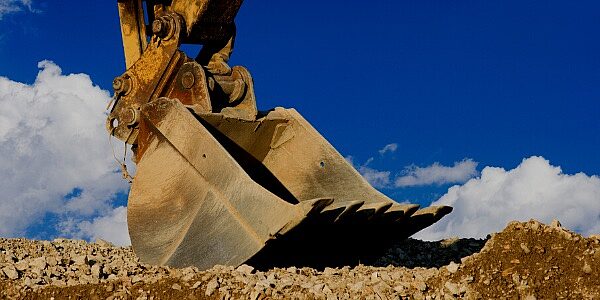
[(311, 208), (329, 216), (338, 211), (332, 212), (350, 208), (380, 209), (433, 213), (410, 209), (316, 206), (398, 212), (424, 218), (365, 213)]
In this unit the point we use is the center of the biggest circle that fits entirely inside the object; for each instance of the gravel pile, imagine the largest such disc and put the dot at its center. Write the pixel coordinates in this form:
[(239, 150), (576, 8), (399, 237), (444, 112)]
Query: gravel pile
[(413, 253), (530, 260), (527, 260)]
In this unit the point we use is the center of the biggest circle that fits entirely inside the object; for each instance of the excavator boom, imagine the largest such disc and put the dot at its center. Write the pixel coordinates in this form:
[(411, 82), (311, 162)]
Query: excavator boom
[(219, 182)]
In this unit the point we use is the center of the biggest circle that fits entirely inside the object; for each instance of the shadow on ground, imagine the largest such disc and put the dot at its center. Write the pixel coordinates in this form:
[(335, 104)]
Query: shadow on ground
[(413, 253), (408, 253)]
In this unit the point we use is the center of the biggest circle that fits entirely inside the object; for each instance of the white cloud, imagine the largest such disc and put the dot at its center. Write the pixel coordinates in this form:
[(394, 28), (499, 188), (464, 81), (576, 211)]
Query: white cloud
[(413, 175), (53, 141), (438, 174), (12, 6), (378, 179), (534, 189), (388, 148), (111, 227)]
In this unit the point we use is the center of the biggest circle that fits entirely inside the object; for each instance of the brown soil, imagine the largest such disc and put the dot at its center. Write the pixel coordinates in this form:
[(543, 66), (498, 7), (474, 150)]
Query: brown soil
[(530, 259), (526, 260)]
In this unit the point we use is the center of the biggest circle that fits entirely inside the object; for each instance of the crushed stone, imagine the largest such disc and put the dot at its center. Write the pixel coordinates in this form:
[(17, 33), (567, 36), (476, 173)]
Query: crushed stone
[(527, 260)]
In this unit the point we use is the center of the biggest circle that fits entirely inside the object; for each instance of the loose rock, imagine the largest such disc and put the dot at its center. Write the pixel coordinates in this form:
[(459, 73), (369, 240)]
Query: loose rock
[(527, 260)]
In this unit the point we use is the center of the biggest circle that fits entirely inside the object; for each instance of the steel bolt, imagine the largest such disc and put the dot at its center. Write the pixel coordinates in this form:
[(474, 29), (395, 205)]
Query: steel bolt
[(129, 116), (160, 27), (157, 26), (187, 80), (118, 84), (122, 84)]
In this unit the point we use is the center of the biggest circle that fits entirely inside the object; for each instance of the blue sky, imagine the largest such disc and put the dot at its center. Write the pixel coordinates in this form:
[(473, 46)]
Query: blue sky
[(491, 81)]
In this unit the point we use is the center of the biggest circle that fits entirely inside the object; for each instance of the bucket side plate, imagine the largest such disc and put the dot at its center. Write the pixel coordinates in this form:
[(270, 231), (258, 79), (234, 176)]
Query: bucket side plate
[(190, 202)]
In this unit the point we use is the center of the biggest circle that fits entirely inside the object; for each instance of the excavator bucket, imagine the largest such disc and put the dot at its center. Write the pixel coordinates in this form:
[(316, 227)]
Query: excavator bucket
[(216, 190), (219, 182)]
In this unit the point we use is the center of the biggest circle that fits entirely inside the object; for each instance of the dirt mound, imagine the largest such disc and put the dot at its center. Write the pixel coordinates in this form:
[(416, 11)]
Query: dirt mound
[(528, 260)]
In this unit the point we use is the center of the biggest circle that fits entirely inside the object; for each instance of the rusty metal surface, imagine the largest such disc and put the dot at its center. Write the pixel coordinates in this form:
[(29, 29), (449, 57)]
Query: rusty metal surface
[(162, 70), (207, 20), (144, 81), (133, 29)]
